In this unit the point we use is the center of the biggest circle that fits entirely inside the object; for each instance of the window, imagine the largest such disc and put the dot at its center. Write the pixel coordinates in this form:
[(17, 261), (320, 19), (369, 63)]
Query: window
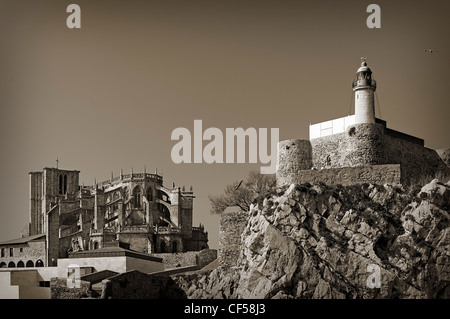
[(20, 264), (163, 247), (150, 194), (11, 252), (60, 184), (137, 197), (65, 184), (39, 263), (174, 247), (3, 252), (29, 264), (21, 249)]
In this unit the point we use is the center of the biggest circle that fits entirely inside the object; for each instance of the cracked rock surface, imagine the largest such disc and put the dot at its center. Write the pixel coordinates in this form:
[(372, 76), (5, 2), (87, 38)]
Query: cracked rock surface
[(318, 241)]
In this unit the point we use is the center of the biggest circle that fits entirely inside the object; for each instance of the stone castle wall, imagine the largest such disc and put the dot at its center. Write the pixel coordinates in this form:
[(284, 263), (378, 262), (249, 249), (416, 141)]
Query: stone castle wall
[(361, 145), (232, 224), (372, 174), (293, 155), (417, 162), (190, 258)]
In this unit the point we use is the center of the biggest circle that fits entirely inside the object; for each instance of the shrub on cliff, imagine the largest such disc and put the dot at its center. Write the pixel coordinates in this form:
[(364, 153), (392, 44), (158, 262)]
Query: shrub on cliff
[(254, 188)]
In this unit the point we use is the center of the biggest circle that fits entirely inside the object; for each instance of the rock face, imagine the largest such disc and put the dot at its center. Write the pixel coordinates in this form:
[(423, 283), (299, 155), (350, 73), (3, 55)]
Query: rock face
[(361, 241), (444, 153)]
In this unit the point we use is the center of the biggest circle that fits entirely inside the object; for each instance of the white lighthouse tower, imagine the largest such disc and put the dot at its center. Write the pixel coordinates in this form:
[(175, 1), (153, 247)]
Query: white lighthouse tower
[(364, 87)]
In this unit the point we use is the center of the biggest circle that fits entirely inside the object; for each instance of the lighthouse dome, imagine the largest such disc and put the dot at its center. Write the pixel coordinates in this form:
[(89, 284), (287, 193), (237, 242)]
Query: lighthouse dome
[(363, 71), (363, 77)]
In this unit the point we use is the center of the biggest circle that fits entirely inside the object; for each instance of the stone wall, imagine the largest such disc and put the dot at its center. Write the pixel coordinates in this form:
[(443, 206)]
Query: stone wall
[(292, 156), (372, 174), (31, 251), (190, 258), (138, 240), (232, 223), (360, 144), (364, 145), (417, 162), (35, 211), (368, 144), (52, 237)]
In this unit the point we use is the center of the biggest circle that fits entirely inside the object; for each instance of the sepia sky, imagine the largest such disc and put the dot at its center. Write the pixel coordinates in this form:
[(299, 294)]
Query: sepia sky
[(107, 96)]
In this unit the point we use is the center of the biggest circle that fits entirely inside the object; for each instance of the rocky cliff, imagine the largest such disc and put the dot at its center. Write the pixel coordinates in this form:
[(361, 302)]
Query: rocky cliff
[(361, 241)]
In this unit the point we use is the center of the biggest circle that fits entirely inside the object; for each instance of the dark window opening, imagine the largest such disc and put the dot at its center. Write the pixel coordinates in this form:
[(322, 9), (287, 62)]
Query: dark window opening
[(174, 247), (65, 185), (60, 184), (137, 197), (150, 195), (163, 247)]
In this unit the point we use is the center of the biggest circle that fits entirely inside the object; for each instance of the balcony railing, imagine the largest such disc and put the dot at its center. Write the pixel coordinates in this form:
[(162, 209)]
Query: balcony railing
[(134, 229), (364, 82), (167, 229)]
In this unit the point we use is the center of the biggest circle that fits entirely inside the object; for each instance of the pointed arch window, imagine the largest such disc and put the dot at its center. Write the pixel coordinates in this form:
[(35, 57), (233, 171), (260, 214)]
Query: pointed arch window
[(137, 195)]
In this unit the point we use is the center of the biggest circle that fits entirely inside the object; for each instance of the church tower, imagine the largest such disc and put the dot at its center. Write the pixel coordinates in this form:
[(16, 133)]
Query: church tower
[(364, 87), (46, 188)]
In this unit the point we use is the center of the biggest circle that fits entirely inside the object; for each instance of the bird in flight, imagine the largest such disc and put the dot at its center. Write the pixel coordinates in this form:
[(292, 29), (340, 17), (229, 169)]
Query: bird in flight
[(238, 185), (430, 51)]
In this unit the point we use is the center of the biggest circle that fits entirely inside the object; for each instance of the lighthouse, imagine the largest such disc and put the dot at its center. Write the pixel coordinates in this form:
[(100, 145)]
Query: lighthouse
[(364, 87)]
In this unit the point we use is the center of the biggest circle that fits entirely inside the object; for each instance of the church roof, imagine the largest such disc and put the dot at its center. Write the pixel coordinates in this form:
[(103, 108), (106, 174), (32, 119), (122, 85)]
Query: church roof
[(22, 240)]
